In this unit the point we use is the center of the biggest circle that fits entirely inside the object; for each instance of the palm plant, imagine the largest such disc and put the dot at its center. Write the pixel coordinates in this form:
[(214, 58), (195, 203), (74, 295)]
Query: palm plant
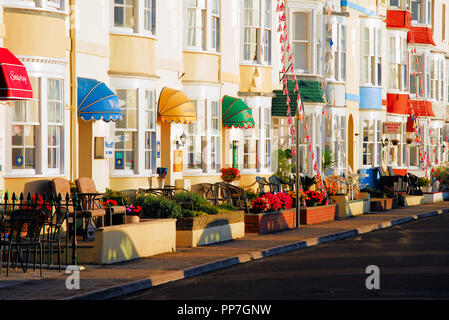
[(328, 160)]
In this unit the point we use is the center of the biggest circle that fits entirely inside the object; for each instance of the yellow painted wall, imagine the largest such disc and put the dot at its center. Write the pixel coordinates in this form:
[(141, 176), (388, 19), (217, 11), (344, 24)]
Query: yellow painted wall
[(85, 152), (27, 185), (255, 79), (131, 55), (201, 67), (128, 183), (34, 34)]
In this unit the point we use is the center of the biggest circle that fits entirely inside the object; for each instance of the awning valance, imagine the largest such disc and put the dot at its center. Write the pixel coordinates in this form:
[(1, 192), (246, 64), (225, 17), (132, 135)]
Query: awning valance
[(14, 81), (236, 113), (97, 101), (174, 106)]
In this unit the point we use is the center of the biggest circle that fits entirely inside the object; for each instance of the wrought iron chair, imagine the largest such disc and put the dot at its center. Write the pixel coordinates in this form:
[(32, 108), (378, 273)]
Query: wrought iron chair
[(275, 184), (23, 229), (210, 193), (262, 184), (238, 197)]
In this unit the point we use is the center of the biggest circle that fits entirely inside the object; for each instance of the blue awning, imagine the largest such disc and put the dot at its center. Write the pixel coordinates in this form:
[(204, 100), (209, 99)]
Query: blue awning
[(97, 101)]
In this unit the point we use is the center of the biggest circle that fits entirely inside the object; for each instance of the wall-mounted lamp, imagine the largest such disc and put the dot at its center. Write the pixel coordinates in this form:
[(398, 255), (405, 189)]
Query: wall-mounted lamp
[(181, 140)]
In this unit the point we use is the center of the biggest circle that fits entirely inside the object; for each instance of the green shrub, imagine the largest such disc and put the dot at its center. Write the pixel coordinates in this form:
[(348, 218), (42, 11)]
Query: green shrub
[(227, 207), (157, 207), (422, 182), (250, 195), (199, 203), (116, 195)]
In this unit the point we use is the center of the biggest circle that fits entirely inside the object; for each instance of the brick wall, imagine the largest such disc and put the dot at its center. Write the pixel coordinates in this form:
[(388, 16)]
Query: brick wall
[(318, 214), (269, 222)]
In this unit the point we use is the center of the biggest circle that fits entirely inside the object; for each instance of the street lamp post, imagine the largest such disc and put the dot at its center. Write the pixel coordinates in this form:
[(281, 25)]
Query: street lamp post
[(297, 167)]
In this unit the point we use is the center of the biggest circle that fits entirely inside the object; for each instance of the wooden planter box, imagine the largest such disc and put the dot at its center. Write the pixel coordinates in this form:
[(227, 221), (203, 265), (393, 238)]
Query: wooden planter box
[(312, 215), (269, 222), (204, 230), (433, 197), (381, 204)]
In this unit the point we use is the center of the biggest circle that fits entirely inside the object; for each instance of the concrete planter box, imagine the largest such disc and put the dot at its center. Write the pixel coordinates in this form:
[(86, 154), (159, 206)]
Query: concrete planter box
[(312, 215), (381, 204), (129, 241), (433, 197), (351, 208), (269, 222), (411, 201), (204, 230)]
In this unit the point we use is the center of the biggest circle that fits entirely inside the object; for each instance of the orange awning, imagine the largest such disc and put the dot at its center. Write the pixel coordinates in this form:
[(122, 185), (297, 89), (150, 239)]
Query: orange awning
[(174, 106)]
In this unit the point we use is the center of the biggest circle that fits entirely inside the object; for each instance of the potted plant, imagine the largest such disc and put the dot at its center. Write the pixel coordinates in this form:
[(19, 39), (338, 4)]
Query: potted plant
[(409, 140), (395, 142), (424, 183), (328, 160), (162, 172), (230, 174)]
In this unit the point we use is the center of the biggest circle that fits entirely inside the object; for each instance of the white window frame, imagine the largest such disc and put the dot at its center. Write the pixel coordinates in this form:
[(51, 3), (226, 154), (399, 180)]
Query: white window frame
[(261, 29), (307, 42), (141, 86), (425, 11), (401, 4), (150, 129), (398, 58), (425, 74), (49, 5), (376, 159), (436, 77), (60, 126), (373, 41), (337, 67), (52, 71), (139, 27)]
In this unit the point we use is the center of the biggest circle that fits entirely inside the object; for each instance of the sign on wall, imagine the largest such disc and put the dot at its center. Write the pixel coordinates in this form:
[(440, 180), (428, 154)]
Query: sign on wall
[(109, 148), (392, 127), (177, 161), (158, 149)]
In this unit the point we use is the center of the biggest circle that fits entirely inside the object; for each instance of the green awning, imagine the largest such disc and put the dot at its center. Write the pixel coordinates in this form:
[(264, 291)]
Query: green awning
[(236, 113), (310, 92)]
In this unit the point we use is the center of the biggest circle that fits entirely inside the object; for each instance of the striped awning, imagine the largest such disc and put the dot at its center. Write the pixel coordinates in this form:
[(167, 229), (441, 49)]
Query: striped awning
[(97, 101), (175, 106), (236, 113)]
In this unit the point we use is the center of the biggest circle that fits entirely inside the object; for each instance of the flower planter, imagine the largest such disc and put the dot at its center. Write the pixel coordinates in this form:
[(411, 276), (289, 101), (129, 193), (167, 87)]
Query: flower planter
[(411, 201), (347, 208), (312, 215), (269, 222), (381, 204), (204, 230), (132, 219), (433, 197)]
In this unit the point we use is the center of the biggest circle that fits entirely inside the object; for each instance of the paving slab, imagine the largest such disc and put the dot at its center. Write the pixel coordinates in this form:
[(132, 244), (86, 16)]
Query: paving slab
[(108, 281)]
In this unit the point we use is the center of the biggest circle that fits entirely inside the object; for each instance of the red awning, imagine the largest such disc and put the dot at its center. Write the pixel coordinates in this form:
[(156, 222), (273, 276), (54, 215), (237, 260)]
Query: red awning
[(398, 103), (399, 19), (422, 35), (421, 108), (14, 81)]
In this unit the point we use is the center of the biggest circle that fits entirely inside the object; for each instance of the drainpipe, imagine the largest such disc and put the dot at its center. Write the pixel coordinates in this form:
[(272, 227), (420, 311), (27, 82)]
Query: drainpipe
[(73, 96)]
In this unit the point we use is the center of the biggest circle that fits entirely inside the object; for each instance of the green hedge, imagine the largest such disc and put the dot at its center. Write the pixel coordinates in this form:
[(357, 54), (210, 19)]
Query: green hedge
[(154, 207)]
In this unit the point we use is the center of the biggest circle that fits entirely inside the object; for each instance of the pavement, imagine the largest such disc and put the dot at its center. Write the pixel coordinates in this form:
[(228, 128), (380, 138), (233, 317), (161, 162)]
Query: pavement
[(110, 281)]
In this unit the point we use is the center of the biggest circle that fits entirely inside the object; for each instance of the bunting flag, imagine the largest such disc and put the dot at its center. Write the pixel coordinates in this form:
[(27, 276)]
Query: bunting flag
[(286, 51)]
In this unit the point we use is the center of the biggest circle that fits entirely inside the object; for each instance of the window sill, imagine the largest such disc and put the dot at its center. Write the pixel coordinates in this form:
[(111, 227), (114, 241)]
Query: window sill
[(34, 8), (129, 32), (249, 64), (32, 175), (193, 50)]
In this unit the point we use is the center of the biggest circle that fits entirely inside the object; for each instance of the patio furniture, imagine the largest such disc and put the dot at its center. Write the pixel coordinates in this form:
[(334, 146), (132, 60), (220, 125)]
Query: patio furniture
[(238, 197), (92, 200), (210, 193), (168, 192), (288, 184), (391, 182), (24, 228), (413, 188), (403, 181), (275, 184), (262, 184)]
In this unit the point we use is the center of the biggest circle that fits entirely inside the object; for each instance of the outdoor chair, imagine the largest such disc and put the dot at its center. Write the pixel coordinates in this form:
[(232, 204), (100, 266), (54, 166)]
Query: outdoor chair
[(224, 193), (84, 211), (238, 197), (275, 184), (288, 184), (262, 184), (210, 192), (413, 188), (91, 200), (23, 229), (390, 182)]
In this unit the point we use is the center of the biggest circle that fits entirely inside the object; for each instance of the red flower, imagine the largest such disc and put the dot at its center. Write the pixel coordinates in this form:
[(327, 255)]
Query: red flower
[(260, 204), (230, 174), (111, 202), (285, 199), (273, 201)]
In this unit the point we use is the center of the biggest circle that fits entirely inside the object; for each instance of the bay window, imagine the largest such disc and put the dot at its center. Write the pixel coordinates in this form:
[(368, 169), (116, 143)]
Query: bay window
[(150, 130), (436, 77), (202, 24), (135, 16), (215, 136), (251, 143), (421, 11), (301, 41), (25, 126), (417, 75), (267, 137), (398, 62), (126, 131), (55, 122), (399, 4), (256, 32), (371, 142), (196, 137), (44, 4), (371, 64)]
